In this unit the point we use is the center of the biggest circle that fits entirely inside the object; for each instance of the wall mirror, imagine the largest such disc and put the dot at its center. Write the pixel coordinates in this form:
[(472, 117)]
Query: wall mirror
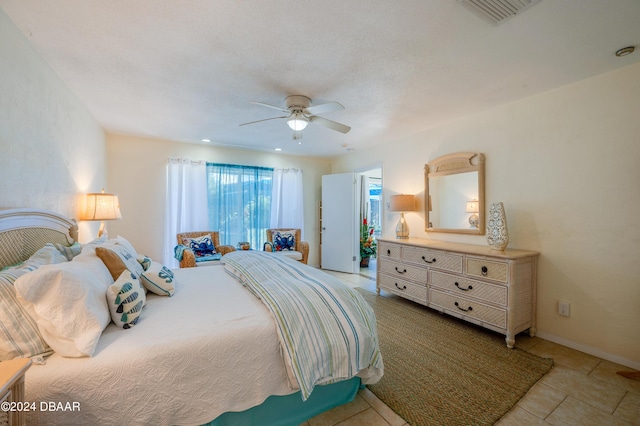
[(454, 194)]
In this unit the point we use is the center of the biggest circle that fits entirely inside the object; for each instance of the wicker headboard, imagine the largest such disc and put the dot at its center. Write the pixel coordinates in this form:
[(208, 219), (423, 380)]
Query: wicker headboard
[(24, 231)]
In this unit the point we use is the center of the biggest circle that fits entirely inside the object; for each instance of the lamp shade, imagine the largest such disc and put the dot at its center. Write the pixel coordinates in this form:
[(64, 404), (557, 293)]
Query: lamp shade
[(101, 206), (472, 206), (403, 203)]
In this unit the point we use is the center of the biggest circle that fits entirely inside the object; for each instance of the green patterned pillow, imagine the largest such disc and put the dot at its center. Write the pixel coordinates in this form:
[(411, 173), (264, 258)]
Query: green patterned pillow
[(158, 279), (69, 251), (19, 335), (145, 261), (126, 298)]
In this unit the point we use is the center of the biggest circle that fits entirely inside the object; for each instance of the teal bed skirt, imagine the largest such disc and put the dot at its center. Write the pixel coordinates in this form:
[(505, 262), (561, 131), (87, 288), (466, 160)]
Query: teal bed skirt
[(290, 409)]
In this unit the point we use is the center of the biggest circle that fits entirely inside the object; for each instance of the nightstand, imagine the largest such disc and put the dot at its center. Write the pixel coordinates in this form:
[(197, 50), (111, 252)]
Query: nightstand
[(12, 389)]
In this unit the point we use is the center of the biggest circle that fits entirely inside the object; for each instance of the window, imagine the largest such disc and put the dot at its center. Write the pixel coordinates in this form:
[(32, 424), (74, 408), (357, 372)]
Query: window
[(239, 200)]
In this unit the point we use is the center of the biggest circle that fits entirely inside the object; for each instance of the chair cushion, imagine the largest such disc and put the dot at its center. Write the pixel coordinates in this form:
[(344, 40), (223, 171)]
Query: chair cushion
[(201, 246), (283, 240)]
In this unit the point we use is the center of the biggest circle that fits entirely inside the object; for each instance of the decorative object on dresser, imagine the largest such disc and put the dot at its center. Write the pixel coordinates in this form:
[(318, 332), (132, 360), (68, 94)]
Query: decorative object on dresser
[(101, 206), (472, 207), (450, 182), (497, 233), (12, 391), (496, 290), (402, 203)]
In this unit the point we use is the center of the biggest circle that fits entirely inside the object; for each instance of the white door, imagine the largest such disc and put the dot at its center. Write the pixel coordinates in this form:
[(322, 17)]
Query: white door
[(340, 245)]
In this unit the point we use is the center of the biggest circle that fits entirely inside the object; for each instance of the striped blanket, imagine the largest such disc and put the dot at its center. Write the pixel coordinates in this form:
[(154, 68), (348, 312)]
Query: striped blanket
[(327, 331)]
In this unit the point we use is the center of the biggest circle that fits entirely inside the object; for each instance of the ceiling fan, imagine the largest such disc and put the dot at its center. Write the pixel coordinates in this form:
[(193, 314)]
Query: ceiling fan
[(300, 113)]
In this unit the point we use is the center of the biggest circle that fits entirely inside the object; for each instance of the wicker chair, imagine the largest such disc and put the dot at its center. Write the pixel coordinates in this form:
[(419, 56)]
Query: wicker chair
[(301, 248), (189, 258)]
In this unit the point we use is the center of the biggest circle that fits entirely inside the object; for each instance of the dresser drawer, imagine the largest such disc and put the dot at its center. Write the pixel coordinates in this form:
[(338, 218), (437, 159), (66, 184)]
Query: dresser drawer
[(468, 308), (403, 288), (403, 271), (490, 269), (388, 251), (465, 287), (432, 258)]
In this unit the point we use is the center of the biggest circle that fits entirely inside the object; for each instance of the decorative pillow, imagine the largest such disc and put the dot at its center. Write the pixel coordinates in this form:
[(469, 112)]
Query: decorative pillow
[(201, 246), (90, 247), (68, 303), (69, 252), (158, 279), (126, 244), (145, 261), (126, 298), (117, 258), (284, 240), (19, 335)]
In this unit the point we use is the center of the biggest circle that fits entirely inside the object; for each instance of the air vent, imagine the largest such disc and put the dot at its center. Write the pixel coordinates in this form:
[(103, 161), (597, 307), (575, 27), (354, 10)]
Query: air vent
[(497, 11)]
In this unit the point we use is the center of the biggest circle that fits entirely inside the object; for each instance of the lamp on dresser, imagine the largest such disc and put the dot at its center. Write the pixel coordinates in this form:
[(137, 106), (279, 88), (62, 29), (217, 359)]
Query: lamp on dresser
[(402, 203), (472, 207), (101, 206)]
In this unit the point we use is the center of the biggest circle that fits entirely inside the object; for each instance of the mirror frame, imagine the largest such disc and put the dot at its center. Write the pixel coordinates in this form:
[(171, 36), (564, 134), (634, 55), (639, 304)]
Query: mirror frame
[(460, 162)]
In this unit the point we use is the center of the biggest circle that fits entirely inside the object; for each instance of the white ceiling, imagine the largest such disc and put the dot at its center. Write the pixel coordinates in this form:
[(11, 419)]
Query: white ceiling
[(187, 69)]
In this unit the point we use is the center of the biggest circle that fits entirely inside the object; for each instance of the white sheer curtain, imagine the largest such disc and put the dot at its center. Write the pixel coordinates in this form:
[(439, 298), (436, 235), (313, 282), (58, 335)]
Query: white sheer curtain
[(186, 202), (287, 202)]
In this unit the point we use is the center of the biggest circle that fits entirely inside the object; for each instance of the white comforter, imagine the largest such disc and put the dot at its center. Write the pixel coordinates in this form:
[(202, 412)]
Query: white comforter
[(171, 368)]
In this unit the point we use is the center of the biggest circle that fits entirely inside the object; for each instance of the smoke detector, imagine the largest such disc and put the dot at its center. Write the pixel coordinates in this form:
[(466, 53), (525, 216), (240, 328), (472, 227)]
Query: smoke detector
[(497, 11)]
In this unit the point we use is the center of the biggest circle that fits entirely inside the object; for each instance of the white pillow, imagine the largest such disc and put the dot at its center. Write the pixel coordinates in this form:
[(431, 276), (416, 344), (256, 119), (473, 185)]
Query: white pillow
[(126, 298), (158, 279), (68, 303), (126, 244)]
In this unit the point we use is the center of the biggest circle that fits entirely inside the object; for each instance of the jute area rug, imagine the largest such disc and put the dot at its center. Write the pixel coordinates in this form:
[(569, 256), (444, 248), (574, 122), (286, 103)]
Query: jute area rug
[(439, 370)]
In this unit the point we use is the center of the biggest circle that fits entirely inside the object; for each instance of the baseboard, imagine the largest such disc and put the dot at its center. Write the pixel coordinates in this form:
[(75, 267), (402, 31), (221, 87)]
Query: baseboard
[(589, 350)]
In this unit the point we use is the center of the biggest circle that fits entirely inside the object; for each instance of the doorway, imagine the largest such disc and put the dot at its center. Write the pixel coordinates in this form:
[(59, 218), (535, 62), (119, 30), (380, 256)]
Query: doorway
[(372, 203)]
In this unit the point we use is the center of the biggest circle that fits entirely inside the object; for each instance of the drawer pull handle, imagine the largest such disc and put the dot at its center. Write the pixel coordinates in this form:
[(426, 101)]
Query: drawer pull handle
[(388, 252), (429, 261), (404, 287), (404, 271), (469, 309), (484, 271), (463, 289)]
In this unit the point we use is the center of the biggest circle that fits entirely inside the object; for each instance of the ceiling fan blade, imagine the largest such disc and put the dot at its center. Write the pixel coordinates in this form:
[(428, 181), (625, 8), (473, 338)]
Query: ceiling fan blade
[(297, 135), (328, 107), (266, 119), (330, 124), (270, 106)]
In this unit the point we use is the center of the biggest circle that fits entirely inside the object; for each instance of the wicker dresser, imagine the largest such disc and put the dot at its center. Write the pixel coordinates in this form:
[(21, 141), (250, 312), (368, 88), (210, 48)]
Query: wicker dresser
[(496, 290)]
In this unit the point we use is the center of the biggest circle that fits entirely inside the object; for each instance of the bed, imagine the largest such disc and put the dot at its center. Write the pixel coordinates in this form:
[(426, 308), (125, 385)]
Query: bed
[(222, 349)]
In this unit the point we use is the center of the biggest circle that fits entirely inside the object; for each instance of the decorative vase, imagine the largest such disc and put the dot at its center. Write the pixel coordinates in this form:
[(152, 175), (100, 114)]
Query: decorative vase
[(364, 262), (497, 233)]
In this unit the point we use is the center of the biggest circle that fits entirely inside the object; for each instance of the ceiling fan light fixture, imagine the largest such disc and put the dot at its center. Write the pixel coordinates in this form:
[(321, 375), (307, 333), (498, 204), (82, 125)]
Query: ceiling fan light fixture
[(297, 122)]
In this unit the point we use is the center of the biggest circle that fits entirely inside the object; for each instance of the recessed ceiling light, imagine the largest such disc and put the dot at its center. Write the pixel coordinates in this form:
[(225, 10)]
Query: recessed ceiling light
[(206, 140), (278, 149), (625, 51)]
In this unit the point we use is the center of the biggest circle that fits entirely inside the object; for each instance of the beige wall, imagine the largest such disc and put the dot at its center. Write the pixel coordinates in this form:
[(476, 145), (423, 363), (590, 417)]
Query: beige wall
[(137, 173), (52, 151), (566, 164)]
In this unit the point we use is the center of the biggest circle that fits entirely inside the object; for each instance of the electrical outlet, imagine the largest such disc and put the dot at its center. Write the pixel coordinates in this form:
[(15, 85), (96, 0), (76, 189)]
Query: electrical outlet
[(564, 309)]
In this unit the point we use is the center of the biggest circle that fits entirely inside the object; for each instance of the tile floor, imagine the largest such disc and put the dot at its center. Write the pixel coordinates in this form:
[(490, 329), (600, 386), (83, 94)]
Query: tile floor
[(579, 390)]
